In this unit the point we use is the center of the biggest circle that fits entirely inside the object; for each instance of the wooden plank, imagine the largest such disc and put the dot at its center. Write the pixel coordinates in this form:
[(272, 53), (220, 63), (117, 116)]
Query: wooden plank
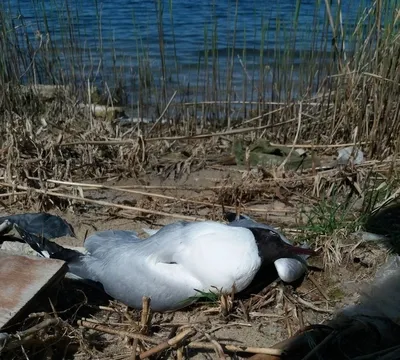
[(22, 278)]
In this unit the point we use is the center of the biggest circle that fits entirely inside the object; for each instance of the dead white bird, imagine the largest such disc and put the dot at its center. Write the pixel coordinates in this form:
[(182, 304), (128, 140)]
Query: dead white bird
[(172, 265)]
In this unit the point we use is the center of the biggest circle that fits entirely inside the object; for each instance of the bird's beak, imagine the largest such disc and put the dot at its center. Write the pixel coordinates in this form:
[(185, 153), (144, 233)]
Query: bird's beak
[(300, 259), (296, 252)]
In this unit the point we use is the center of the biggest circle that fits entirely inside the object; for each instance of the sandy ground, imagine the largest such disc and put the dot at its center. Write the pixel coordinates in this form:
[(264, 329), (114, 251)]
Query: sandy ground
[(278, 316)]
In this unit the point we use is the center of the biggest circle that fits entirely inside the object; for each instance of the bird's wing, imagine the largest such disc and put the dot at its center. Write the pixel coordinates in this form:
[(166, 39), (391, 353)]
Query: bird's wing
[(130, 268), (214, 253), (104, 241)]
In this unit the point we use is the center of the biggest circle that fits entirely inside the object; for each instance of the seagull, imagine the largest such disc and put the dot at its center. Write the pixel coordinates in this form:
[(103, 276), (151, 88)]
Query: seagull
[(289, 269), (173, 265)]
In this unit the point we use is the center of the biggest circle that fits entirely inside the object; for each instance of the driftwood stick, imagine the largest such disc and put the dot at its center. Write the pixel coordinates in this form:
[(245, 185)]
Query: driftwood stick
[(176, 340)]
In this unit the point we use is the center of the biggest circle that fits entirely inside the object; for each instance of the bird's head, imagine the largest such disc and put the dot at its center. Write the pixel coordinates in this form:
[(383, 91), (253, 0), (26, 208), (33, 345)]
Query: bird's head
[(272, 247)]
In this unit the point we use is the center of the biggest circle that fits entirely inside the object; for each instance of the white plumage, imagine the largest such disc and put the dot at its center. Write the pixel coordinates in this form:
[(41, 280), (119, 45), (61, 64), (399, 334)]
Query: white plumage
[(170, 265)]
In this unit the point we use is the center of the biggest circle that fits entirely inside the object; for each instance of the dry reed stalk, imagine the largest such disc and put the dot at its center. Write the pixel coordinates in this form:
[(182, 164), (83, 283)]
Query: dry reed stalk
[(29, 335), (218, 348), (177, 138), (162, 114), (103, 203), (145, 319), (297, 299), (236, 348), (329, 173), (282, 165), (175, 341), (319, 288), (320, 146), (12, 194), (134, 350), (108, 330), (266, 114), (192, 345), (151, 194)]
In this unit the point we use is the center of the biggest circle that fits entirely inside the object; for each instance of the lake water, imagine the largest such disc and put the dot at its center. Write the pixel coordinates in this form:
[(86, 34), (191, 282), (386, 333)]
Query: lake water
[(130, 35)]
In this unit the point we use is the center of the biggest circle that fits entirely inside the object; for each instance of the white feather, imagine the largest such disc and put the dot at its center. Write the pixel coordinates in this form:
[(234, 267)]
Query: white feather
[(170, 265)]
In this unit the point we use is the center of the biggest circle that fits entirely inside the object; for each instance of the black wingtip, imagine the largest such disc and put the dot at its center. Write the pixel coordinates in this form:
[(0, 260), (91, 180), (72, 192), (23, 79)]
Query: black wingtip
[(41, 245)]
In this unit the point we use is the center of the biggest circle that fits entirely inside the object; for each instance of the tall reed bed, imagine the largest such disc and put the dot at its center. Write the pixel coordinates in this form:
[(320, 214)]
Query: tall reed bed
[(347, 75)]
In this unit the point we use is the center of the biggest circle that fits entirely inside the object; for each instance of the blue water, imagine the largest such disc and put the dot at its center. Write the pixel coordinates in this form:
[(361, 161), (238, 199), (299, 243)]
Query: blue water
[(130, 35)]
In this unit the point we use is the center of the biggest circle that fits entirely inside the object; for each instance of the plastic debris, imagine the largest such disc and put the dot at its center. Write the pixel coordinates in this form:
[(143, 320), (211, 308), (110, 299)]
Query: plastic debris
[(41, 224), (350, 155)]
